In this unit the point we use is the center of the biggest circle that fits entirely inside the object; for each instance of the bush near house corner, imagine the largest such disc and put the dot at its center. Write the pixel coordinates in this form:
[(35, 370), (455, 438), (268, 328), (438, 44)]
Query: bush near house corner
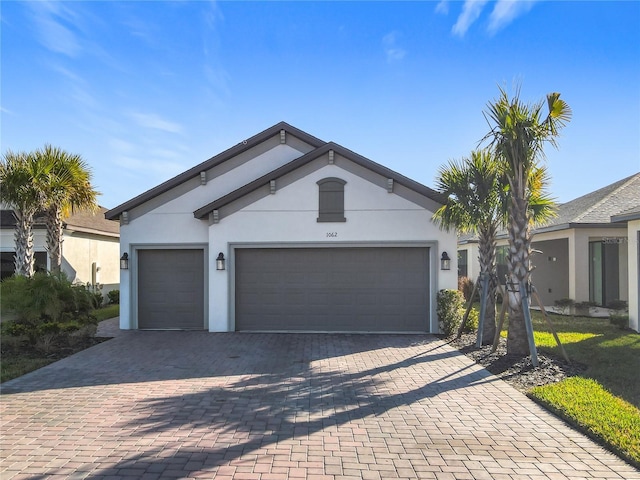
[(114, 297), (450, 310)]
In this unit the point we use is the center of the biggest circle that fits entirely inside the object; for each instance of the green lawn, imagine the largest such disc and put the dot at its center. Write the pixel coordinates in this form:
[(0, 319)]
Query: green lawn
[(612, 355), (605, 400), (109, 311)]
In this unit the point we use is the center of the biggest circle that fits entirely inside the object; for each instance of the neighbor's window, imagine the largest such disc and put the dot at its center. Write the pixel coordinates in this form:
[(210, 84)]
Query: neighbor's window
[(462, 263), (331, 191), (7, 267)]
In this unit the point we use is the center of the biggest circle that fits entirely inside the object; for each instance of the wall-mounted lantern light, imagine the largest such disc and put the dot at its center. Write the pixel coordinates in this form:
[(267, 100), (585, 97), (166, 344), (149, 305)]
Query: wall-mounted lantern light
[(445, 262), (124, 261), (220, 261)]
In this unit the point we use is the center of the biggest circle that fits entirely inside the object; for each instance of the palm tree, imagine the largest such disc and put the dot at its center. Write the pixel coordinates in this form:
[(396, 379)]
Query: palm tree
[(68, 189), (22, 179), (473, 190), (518, 135)]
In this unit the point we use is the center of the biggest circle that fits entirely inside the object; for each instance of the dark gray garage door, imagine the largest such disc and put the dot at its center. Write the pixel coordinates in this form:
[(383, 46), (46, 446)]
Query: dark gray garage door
[(333, 289), (171, 289)]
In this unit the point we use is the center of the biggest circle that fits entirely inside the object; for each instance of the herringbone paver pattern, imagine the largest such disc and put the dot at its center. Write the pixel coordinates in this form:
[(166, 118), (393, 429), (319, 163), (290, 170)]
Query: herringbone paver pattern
[(150, 405)]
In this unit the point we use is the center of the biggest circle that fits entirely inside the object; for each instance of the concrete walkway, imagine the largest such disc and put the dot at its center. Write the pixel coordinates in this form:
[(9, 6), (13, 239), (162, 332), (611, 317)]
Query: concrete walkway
[(283, 406)]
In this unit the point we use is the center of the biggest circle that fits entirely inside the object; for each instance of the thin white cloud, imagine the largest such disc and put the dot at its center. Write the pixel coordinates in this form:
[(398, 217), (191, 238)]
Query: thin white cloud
[(443, 7), (54, 26), (153, 121), (392, 51), (505, 11), (153, 165), (470, 12)]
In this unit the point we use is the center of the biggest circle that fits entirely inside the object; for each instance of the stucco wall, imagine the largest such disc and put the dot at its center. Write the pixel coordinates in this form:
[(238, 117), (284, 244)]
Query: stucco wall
[(551, 273), (634, 274), (288, 218), (80, 250)]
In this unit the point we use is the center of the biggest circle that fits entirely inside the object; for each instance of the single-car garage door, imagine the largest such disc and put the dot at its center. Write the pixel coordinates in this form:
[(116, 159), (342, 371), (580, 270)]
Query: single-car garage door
[(171, 289), (332, 289)]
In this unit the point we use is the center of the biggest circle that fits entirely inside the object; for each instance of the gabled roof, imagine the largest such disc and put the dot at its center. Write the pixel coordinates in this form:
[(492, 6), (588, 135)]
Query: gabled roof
[(82, 221), (309, 157), (599, 206), (212, 162), (88, 222)]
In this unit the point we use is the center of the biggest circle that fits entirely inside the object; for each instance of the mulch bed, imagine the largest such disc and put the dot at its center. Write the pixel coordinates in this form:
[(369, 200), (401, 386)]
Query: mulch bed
[(57, 351), (515, 369)]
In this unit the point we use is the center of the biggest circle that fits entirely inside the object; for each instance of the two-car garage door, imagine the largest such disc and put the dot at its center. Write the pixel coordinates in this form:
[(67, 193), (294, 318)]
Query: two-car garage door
[(332, 289)]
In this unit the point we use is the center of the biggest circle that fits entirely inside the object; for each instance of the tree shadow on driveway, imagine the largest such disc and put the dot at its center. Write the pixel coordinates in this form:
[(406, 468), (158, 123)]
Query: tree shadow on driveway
[(283, 389)]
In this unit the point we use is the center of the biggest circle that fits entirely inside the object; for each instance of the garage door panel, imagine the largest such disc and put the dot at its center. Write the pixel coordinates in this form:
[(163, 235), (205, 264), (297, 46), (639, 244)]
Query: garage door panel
[(171, 289), (333, 289)]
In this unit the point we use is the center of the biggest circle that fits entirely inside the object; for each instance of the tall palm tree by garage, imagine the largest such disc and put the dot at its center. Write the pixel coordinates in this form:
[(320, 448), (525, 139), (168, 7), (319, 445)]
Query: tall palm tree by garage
[(69, 189), (474, 193), (22, 180), (518, 135)]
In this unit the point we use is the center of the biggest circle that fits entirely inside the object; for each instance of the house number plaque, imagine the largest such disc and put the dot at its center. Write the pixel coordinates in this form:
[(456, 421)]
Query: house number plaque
[(332, 234)]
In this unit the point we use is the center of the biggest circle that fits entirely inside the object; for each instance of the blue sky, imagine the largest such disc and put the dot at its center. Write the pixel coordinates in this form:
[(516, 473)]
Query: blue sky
[(145, 90)]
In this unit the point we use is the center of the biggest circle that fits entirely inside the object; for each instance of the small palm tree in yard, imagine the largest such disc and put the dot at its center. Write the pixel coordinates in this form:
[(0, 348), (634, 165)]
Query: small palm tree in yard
[(51, 181), (473, 190), (22, 180), (518, 135), (68, 189)]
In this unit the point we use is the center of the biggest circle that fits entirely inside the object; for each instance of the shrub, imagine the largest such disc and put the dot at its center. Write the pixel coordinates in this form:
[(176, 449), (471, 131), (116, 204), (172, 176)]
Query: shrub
[(114, 297), (473, 320), (450, 309), (466, 285), (97, 299), (620, 321), (618, 306), (43, 306), (582, 308), (564, 305)]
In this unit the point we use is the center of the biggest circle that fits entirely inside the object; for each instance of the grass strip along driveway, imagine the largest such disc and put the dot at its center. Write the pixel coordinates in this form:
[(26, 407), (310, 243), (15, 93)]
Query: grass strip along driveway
[(604, 401)]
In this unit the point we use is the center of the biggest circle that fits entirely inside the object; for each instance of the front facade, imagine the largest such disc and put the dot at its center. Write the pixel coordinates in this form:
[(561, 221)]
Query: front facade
[(284, 232), (90, 248)]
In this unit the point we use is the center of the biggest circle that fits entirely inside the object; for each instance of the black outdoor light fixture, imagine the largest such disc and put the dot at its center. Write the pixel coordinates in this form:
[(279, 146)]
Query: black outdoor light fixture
[(445, 262), (220, 261), (124, 261)]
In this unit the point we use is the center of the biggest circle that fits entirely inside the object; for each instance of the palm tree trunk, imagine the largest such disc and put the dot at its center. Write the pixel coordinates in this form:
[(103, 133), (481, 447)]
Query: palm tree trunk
[(55, 237), (487, 258), (519, 271), (24, 256)]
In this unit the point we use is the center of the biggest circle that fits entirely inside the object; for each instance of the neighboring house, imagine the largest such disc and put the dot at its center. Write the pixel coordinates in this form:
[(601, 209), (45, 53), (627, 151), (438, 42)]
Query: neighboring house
[(90, 248), (587, 253), (284, 232)]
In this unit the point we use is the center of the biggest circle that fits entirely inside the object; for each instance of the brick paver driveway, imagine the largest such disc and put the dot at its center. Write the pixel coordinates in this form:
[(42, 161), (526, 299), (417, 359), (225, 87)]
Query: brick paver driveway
[(276, 406)]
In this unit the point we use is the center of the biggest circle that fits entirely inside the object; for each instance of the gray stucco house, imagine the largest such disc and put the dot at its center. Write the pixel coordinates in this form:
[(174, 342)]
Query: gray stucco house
[(283, 232)]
